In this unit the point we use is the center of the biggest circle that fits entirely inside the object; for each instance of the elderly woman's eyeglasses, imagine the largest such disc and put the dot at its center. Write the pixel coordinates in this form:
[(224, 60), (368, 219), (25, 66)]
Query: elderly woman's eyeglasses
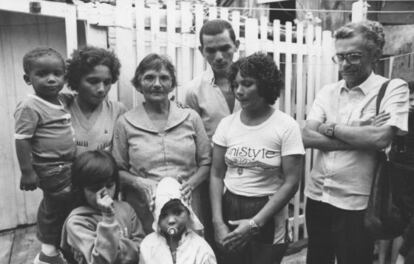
[(351, 58)]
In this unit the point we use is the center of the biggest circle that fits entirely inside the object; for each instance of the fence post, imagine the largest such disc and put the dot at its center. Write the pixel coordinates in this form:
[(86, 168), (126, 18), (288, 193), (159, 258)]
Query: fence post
[(198, 58), (276, 55), (288, 71), (124, 50), (71, 30), (235, 21), (155, 28), (251, 34)]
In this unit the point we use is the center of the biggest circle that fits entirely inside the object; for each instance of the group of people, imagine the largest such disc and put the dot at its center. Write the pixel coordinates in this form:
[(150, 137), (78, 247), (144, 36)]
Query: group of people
[(146, 185)]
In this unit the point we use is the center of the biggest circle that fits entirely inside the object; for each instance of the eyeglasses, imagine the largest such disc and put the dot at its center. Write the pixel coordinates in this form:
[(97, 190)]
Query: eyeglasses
[(351, 58)]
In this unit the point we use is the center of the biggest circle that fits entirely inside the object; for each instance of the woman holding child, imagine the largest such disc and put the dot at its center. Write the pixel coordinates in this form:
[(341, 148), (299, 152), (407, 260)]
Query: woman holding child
[(157, 139), (91, 72), (257, 159)]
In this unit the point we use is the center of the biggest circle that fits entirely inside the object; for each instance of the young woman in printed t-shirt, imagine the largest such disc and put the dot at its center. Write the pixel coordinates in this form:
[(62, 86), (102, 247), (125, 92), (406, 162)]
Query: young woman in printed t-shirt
[(257, 160), (91, 72)]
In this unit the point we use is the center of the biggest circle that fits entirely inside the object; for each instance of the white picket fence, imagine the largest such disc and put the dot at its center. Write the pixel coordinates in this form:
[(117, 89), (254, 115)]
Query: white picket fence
[(302, 52)]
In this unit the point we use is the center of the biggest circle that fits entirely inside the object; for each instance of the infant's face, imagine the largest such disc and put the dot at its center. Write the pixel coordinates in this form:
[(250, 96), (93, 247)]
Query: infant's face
[(176, 219)]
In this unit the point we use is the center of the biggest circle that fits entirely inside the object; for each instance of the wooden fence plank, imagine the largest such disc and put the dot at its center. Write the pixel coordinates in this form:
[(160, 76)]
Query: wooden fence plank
[(235, 21), (288, 72), (212, 13), (224, 13), (252, 32), (310, 68), (276, 53), (263, 33), (299, 118), (124, 49), (327, 64), (155, 28), (185, 64), (198, 58), (71, 30), (318, 66)]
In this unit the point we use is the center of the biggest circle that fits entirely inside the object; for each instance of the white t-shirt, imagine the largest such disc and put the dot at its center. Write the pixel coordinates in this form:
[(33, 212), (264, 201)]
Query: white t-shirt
[(253, 155)]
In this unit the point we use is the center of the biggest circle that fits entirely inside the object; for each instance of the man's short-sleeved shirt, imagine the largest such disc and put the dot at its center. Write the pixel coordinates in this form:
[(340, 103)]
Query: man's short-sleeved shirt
[(95, 132), (206, 98), (343, 178), (48, 126)]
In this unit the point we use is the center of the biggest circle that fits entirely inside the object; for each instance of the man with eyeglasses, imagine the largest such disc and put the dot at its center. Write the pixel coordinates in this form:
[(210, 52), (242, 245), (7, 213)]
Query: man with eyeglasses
[(340, 127)]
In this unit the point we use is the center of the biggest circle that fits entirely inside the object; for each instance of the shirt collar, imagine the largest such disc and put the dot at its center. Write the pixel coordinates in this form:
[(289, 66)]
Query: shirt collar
[(138, 117), (47, 103), (365, 86), (208, 75)]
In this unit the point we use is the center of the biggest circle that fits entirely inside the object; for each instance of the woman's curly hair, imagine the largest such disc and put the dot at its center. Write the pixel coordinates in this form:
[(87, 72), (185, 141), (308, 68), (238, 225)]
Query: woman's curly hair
[(84, 60), (263, 69)]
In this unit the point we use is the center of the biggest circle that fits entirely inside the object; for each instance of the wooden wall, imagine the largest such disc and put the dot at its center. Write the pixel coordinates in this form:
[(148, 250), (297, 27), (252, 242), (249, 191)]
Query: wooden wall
[(18, 34)]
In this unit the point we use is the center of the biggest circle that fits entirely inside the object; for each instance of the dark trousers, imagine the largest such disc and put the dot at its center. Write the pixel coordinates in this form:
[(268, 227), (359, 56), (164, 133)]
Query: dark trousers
[(260, 250), (58, 200), (339, 233), (403, 179)]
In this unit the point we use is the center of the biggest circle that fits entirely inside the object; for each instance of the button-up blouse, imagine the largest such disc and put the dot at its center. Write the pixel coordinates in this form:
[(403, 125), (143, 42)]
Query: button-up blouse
[(176, 151)]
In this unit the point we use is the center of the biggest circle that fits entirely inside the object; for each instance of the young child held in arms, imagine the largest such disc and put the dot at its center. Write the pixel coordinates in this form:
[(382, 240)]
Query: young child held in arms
[(174, 240), (45, 147), (102, 230)]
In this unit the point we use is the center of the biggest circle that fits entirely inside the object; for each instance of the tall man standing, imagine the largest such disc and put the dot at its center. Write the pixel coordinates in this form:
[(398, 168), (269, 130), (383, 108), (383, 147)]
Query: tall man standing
[(210, 94), (339, 126)]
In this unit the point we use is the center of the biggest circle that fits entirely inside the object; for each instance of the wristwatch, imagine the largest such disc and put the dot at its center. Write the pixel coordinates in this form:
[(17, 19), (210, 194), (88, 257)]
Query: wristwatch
[(330, 130), (254, 227)]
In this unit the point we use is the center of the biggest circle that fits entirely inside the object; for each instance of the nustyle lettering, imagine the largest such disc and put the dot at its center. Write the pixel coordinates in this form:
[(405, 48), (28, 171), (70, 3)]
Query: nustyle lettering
[(252, 153)]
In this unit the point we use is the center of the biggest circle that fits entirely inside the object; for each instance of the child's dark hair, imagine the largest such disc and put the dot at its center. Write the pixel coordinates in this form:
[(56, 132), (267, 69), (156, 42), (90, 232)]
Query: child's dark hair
[(36, 53), (84, 60), (264, 70), (95, 168), (175, 206)]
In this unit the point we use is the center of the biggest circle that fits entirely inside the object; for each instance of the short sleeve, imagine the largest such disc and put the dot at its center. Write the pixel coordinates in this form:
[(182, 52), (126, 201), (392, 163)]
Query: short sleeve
[(317, 111), (292, 143), (191, 100), (120, 145), (396, 102), (219, 136), (26, 120), (202, 141)]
